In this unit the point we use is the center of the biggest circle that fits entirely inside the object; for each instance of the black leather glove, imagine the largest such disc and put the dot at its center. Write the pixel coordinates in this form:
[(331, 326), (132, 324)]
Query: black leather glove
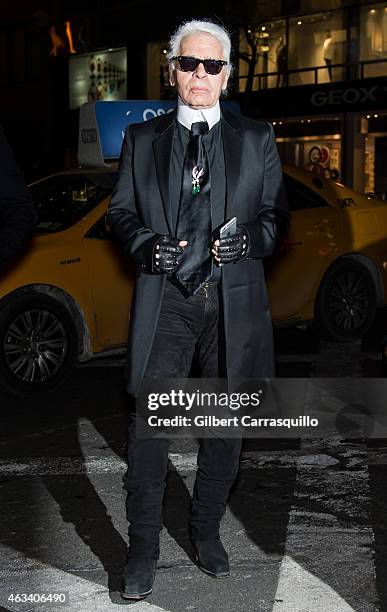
[(233, 248), (167, 255)]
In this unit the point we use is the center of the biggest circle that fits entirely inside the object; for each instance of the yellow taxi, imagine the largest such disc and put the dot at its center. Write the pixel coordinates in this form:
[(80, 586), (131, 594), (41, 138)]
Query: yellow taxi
[(67, 298)]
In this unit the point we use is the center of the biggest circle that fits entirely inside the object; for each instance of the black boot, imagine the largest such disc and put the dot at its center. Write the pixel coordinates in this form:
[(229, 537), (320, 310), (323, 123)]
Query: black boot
[(218, 463), (138, 577), (211, 557), (140, 570)]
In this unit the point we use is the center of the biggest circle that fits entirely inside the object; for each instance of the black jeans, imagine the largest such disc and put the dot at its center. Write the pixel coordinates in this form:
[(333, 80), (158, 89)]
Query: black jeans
[(187, 328)]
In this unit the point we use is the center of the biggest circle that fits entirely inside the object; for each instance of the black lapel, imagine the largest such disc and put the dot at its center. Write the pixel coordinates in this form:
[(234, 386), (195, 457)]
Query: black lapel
[(162, 149), (232, 146)]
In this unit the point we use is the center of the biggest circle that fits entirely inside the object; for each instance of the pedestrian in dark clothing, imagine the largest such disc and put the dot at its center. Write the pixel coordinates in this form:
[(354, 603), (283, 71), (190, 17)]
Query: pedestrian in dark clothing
[(197, 294)]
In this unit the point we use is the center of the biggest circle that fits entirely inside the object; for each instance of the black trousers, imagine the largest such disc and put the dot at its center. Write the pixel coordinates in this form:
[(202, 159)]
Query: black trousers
[(329, 66), (188, 328)]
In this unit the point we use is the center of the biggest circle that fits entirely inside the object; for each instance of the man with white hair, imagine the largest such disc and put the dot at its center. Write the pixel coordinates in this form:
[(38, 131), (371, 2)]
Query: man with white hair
[(198, 295)]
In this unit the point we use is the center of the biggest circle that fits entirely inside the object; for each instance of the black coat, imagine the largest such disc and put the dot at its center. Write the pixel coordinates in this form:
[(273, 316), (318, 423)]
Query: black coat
[(255, 195), (18, 216)]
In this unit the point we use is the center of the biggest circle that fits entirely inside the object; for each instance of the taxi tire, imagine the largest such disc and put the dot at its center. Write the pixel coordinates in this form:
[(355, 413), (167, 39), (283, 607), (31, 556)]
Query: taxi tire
[(324, 324), (10, 311)]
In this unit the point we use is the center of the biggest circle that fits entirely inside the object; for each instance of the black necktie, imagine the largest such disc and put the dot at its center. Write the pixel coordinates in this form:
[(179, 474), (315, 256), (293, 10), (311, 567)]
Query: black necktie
[(194, 221)]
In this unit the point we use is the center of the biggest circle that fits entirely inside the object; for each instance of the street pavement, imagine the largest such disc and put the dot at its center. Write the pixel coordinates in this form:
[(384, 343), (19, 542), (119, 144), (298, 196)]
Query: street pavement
[(305, 526)]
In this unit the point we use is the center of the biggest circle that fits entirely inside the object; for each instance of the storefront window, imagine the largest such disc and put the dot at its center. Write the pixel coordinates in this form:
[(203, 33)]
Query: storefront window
[(375, 154), (373, 39), (312, 49), (317, 43), (268, 42), (369, 164), (322, 157), (308, 144)]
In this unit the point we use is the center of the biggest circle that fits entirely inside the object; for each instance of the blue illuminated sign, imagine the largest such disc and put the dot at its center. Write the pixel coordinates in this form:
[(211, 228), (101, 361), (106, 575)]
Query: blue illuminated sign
[(113, 117), (102, 125)]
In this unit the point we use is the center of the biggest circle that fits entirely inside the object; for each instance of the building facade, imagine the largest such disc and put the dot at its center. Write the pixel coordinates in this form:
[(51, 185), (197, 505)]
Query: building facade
[(317, 69), (321, 79)]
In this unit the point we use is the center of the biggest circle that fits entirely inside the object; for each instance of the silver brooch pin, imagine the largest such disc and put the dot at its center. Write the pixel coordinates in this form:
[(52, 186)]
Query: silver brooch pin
[(197, 174)]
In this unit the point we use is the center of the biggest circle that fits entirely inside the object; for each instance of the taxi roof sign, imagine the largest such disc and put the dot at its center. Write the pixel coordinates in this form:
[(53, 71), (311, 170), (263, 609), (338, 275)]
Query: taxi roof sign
[(102, 126)]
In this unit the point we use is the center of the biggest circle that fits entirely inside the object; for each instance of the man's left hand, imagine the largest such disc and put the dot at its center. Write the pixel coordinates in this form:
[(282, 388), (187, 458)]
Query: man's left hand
[(233, 248)]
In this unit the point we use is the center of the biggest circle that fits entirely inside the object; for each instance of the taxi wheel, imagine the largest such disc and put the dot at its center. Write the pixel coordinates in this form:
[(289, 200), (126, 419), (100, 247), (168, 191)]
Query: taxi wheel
[(38, 344), (346, 302)]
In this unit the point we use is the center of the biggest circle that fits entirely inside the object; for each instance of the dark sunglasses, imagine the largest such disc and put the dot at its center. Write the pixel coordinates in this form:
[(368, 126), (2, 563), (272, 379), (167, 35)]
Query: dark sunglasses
[(189, 64)]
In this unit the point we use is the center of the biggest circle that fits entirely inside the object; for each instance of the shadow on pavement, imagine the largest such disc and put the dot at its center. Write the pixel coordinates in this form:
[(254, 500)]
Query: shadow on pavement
[(176, 510), (49, 427)]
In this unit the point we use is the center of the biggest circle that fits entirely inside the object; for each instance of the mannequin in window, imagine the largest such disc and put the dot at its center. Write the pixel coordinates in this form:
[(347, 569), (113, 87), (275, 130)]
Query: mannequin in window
[(328, 52), (281, 53)]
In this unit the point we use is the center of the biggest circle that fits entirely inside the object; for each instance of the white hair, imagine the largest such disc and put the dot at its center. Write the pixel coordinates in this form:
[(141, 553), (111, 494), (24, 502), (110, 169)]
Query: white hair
[(195, 26)]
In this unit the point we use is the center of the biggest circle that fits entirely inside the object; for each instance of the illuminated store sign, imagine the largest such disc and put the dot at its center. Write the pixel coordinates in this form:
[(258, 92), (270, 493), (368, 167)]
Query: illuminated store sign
[(351, 96), (97, 76)]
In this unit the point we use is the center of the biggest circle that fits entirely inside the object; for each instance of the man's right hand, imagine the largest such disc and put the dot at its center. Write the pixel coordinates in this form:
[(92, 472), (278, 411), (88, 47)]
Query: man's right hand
[(167, 254)]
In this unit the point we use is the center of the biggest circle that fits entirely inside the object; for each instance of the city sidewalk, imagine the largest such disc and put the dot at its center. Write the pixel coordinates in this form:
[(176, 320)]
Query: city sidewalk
[(305, 526)]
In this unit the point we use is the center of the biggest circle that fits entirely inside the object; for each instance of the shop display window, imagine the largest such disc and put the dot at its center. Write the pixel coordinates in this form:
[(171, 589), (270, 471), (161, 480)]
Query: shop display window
[(320, 155), (322, 158), (311, 47), (316, 44), (369, 164), (375, 163), (269, 40), (373, 39)]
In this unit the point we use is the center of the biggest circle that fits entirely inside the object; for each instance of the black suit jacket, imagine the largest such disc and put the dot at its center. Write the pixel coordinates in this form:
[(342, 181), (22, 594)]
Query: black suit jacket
[(255, 194)]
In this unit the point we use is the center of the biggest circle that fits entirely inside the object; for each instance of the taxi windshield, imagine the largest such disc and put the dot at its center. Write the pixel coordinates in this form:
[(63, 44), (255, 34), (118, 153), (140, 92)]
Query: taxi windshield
[(64, 199)]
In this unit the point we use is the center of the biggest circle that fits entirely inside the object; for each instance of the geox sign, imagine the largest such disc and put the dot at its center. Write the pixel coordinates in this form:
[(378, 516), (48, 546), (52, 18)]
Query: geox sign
[(351, 95), (340, 97)]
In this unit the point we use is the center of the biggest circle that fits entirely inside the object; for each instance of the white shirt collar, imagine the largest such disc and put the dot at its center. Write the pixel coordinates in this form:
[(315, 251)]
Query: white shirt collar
[(187, 115)]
